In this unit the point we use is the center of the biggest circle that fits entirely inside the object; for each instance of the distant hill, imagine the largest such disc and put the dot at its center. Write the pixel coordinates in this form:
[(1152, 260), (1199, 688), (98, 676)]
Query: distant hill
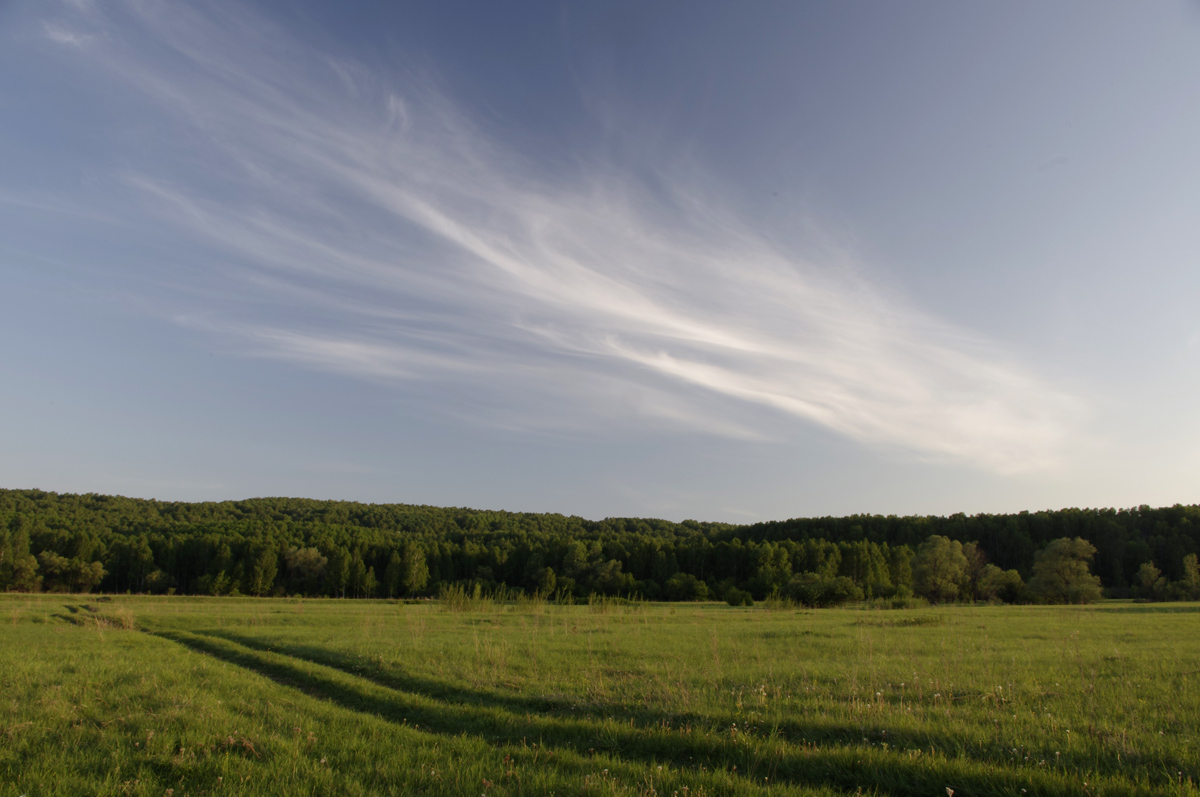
[(271, 546)]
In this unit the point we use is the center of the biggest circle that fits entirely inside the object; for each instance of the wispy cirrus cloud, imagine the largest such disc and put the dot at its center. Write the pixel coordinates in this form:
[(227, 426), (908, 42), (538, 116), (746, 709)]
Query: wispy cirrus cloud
[(62, 35), (375, 230)]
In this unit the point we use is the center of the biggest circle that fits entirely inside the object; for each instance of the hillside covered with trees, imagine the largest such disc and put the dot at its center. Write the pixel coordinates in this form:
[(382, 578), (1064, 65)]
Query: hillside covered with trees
[(290, 546)]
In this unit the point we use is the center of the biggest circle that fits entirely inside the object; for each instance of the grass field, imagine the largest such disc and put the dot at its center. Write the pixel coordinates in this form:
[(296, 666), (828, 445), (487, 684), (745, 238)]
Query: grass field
[(178, 696)]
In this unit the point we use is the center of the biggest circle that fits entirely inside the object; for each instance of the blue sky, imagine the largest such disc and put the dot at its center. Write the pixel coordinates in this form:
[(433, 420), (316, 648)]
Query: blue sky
[(710, 260)]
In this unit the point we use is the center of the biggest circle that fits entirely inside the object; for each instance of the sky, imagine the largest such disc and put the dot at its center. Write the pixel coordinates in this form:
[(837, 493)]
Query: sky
[(703, 260)]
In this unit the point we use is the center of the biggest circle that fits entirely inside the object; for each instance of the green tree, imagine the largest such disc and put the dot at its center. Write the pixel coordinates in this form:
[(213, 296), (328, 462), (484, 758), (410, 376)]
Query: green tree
[(994, 584), (218, 583), (60, 574), (55, 570), (547, 581), (1061, 573), (264, 567), (866, 564), (1187, 588), (356, 581), (160, 581), (305, 569), (772, 569), (900, 559), (370, 584), (822, 557), (609, 579), (1149, 582), (141, 562), (393, 575), (415, 575), (25, 577), (736, 597), (337, 575), (87, 575), (976, 561), (1189, 585), (6, 557), (685, 587), (19, 569), (940, 569), (814, 589), (575, 560)]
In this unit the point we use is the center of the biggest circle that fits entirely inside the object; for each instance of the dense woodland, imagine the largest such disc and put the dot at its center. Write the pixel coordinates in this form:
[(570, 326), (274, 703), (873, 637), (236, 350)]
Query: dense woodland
[(291, 546)]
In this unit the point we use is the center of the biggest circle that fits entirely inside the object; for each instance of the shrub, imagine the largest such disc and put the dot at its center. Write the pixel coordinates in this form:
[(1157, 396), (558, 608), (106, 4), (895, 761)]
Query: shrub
[(737, 597), (815, 590), (685, 587), (159, 582), (995, 584), (1152, 586)]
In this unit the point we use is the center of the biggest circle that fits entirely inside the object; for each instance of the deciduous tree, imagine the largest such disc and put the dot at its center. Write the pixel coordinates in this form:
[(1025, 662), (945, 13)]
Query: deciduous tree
[(416, 570), (1061, 573), (940, 569)]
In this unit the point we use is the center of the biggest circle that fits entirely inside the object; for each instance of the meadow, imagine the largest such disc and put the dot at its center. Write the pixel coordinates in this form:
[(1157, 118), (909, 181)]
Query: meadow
[(183, 695)]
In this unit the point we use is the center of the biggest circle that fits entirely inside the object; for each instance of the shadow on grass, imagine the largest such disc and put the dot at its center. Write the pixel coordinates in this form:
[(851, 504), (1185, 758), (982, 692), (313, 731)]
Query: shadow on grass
[(797, 733), (74, 617), (439, 708)]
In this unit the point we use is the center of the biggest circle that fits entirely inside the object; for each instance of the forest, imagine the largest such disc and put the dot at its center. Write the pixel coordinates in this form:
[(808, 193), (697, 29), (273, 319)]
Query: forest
[(290, 546)]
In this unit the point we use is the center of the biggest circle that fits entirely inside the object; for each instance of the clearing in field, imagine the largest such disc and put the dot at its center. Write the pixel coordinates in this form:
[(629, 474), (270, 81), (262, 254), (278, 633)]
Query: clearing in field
[(181, 696)]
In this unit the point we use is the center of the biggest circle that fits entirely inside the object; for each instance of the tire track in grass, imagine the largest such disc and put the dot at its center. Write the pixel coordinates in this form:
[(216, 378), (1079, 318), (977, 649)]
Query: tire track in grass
[(350, 693), (806, 735), (699, 749)]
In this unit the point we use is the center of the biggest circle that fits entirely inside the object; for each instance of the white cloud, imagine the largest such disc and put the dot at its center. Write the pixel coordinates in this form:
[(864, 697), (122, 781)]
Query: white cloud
[(393, 239), (61, 35)]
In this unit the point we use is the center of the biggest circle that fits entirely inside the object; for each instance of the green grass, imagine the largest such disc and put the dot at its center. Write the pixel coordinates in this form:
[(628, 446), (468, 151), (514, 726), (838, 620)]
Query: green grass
[(184, 696)]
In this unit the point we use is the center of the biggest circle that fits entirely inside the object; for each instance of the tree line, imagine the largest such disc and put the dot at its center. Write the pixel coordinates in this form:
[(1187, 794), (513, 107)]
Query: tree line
[(284, 546)]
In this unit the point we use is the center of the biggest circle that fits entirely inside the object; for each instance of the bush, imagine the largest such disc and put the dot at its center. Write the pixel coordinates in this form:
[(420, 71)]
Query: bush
[(159, 582), (995, 584), (1152, 586), (685, 587), (737, 597), (811, 589)]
